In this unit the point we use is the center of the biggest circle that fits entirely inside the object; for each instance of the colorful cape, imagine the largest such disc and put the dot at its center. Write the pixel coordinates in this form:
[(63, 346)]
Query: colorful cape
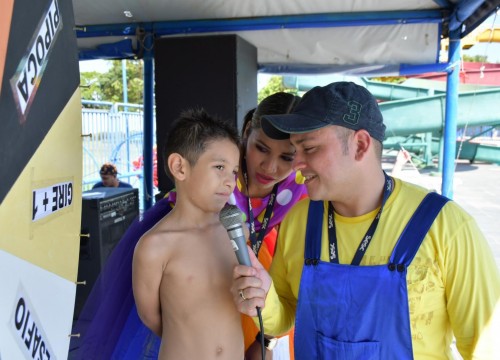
[(109, 325)]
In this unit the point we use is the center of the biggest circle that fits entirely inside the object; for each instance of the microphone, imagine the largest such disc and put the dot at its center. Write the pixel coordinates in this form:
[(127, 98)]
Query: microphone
[(232, 220)]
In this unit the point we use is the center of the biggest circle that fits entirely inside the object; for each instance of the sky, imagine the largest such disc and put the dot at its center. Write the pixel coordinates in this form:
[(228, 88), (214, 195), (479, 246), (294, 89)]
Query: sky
[(491, 50), (94, 65)]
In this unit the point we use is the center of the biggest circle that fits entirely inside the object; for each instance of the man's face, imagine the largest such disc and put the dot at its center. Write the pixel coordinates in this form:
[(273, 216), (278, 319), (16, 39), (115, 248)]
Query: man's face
[(109, 180), (324, 163)]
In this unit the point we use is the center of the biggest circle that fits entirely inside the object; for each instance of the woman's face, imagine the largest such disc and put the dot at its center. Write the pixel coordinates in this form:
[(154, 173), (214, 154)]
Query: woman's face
[(268, 162)]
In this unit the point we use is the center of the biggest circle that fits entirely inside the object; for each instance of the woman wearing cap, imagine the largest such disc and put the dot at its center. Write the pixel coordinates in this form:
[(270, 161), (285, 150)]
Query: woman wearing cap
[(267, 188)]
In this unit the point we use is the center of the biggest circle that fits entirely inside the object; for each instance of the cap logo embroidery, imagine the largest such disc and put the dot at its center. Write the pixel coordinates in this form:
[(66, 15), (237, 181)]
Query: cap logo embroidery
[(354, 112)]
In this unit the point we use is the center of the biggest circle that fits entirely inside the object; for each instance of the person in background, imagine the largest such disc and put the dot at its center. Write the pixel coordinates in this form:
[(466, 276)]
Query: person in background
[(386, 269), (182, 267), (109, 177), (266, 174)]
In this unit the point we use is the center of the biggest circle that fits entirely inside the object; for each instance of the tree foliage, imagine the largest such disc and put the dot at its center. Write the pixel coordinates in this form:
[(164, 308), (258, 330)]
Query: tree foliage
[(475, 58), (274, 85), (108, 86), (390, 79)]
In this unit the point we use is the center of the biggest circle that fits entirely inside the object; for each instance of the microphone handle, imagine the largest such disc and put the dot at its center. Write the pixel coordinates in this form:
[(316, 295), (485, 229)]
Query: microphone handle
[(239, 244)]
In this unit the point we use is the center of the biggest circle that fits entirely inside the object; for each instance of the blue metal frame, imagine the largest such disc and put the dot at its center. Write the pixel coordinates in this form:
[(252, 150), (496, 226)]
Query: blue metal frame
[(356, 70), (450, 124), (264, 23), (444, 4), (148, 120), (462, 11)]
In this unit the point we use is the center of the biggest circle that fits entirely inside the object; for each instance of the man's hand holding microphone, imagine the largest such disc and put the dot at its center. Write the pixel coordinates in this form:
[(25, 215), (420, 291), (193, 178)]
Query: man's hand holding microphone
[(251, 282)]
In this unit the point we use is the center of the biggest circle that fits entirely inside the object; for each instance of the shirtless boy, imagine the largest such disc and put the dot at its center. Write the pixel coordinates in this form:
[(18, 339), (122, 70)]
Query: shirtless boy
[(182, 268)]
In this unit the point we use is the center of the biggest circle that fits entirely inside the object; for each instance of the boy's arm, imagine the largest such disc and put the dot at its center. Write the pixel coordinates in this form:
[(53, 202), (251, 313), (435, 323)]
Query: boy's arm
[(147, 270)]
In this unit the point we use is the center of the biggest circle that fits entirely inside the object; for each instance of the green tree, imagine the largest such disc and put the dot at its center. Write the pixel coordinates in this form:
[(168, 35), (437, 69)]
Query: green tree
[(108, 86), (274, 85), (475, 58), (390, 79), (90, 86)]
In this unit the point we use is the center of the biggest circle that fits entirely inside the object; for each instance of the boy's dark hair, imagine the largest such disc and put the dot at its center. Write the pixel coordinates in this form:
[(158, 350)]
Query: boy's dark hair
[(192, 131)]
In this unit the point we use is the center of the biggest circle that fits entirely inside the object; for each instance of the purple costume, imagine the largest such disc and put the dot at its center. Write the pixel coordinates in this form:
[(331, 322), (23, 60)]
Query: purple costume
[(109, 325)]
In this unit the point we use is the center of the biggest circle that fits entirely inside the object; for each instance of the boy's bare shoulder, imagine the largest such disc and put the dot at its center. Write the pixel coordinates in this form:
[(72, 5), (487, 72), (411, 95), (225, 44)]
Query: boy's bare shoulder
[(158, 239)]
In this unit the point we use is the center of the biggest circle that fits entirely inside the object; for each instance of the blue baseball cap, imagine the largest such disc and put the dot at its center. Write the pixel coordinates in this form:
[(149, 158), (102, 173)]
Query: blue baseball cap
[(340, 103)]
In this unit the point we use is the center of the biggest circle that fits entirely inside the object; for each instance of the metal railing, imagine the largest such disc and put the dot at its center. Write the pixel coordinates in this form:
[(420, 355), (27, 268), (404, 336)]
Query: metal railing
[(112, 132)]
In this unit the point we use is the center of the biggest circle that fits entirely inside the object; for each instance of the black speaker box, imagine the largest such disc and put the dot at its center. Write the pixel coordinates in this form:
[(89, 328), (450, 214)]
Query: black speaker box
[(217, 73), (106, 215)]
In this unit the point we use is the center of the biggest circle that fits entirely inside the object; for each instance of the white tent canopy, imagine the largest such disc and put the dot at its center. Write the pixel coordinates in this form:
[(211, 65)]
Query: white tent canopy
[(362, 36)]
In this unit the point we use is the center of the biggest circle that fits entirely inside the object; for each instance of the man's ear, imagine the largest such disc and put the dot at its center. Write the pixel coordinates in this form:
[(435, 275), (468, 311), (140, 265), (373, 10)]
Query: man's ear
[(177, 166), (363, 142)]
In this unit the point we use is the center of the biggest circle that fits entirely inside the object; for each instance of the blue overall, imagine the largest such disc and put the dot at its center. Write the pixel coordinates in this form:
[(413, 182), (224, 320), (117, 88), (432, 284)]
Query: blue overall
[(358, 312)]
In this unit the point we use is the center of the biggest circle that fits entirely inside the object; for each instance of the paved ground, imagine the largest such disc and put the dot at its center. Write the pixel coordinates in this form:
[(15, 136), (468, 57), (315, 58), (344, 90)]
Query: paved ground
[(478, 191), (476, 187)]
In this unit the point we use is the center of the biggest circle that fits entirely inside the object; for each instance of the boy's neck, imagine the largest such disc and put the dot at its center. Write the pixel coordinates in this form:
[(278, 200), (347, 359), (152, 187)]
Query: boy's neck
[(193, 216)]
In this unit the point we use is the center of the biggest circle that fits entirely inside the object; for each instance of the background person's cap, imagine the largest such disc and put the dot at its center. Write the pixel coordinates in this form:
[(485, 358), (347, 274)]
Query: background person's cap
[(108, 169), (341, 103)]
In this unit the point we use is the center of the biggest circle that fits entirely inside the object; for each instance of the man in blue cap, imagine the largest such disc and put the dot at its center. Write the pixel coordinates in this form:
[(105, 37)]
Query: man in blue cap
[(369, 267)]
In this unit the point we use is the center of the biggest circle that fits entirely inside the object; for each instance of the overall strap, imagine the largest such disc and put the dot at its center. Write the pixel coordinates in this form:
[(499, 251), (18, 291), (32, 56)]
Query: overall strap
[(314, 230), (415, 231)]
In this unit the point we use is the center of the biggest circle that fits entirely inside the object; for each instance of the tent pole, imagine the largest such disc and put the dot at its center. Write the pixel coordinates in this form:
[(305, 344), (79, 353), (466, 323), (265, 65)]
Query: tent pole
[(148, 121), (451, 114)]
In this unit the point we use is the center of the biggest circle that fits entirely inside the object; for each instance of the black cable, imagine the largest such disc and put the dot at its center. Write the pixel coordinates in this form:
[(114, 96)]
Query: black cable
[(261, 324)]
